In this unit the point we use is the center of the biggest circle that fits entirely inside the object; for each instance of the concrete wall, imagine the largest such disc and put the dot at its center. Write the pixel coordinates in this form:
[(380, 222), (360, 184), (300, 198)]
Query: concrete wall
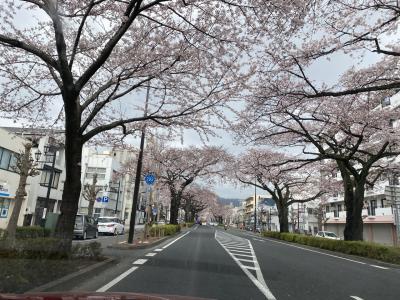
[(377, 233)]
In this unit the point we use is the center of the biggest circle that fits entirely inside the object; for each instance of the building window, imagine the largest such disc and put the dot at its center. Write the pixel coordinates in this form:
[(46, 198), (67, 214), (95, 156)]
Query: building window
[(339, 207), (96, 170), (99, 176), (4, 207), (8, 160), (327, 209), (45, 178), (373, 207)]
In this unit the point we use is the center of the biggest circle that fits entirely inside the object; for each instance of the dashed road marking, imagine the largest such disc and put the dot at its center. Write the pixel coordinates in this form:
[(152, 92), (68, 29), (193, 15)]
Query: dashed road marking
[(167, 245), (140, 261), (116, 280), (158, 250), (151, 254), (356, 298), (379, 267)]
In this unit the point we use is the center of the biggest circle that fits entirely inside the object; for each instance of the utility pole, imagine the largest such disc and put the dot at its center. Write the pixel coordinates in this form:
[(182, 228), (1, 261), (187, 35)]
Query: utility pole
[(138, 175), (116, 204), (255, 204)]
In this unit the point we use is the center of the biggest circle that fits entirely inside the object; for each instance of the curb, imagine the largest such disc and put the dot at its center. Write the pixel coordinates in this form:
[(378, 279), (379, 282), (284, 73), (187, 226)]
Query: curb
[(127, 246), (73, 276)]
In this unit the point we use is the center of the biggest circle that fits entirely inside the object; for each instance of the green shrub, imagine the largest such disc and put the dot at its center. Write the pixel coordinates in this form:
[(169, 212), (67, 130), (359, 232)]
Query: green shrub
[(90, 250), (35, 248), (169, 229), (360, 248), (29, 232)]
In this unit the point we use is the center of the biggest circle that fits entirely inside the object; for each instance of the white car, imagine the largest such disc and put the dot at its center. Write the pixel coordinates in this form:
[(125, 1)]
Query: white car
[(327, 235), (110, 225)]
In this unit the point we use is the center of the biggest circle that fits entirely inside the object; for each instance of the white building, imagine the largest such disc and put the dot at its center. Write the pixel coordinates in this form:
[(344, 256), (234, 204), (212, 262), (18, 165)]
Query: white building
[(33, 208), (10, 146)]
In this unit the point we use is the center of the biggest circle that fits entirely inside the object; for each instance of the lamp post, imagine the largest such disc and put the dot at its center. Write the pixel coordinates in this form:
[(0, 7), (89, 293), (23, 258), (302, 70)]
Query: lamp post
[(49, 151)]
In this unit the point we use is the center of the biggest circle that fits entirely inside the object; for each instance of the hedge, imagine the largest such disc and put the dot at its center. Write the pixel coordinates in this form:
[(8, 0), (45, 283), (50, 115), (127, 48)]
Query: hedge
[(27, 232), (168, 229), (187, 224), (360, 248)]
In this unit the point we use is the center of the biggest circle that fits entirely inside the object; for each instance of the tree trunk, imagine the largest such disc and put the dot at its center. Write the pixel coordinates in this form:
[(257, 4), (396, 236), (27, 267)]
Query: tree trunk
[(354, 200), (24, 170), (283, 213), (92, 195), (173, 217), (72, 185)]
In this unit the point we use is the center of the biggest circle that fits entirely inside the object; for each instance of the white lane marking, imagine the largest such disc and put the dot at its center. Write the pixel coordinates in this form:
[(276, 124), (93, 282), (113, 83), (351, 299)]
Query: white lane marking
[(379, 267), (167, 245), (241, 251), (260, 276), (258, 240), (140, 261), (151, 254), (123, 242), (158, 250), (116, 280), (238, 254), (262, 286), (319, 252), (240, 247), (246, 260), (357, 298), (252, 268)]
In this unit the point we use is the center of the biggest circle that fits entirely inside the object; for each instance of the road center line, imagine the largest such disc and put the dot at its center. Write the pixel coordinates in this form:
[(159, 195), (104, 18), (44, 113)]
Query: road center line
[(167, 245), (158, 250), (151, 254), (357, 298), (140, 261), (116, 280)]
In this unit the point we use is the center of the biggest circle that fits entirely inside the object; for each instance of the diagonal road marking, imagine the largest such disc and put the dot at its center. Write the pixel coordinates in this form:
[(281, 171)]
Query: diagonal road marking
[(259, 282)]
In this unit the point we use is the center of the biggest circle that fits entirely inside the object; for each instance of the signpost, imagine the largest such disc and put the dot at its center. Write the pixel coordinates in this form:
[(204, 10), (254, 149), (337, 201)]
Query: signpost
[(149, 178)]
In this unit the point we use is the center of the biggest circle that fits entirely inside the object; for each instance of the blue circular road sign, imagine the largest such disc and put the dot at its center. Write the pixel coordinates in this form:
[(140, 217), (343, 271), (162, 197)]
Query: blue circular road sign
[(150, 179)]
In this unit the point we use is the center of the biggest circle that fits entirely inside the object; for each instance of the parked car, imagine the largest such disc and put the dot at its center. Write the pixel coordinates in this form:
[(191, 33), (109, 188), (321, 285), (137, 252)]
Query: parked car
[(327, 235), (85, 226), (110, 225)]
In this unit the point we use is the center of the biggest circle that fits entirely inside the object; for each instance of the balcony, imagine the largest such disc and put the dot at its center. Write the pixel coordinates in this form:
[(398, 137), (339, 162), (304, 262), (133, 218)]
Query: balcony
[(383, 211)]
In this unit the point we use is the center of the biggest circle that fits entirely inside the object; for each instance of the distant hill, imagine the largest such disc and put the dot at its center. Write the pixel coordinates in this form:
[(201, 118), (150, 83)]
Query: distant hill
[(228, 201)]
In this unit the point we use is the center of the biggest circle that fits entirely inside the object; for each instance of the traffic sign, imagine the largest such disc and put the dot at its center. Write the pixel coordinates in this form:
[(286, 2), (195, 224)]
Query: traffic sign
[(105, 199), (150, 178), (98, 199), (154, 211)]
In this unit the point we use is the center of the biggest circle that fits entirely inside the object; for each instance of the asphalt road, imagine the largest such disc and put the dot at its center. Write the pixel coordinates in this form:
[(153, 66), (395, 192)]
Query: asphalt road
[(212, 263)]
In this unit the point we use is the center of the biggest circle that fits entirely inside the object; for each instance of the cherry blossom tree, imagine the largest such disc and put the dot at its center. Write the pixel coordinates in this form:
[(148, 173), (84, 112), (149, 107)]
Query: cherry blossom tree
[(25, 167), (180, 167), (82, 65), (286, 182), (195, 199), (354, 131)]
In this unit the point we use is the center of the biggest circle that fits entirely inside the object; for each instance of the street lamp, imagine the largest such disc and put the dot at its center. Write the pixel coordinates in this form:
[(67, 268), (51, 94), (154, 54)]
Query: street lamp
[(49, 151)]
